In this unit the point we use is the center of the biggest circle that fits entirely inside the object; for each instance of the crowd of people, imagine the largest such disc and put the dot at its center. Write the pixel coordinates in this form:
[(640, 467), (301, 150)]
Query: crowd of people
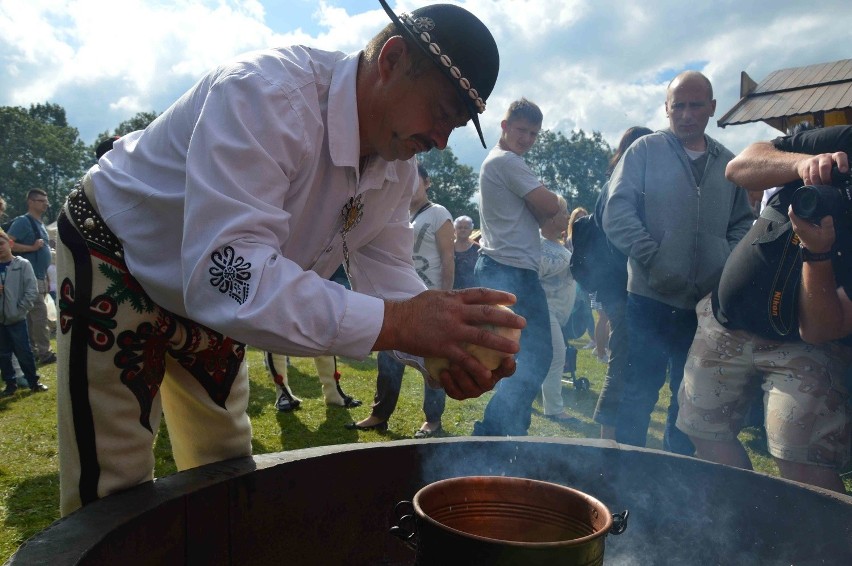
[(27, 264), (282, 169), (681, 232)]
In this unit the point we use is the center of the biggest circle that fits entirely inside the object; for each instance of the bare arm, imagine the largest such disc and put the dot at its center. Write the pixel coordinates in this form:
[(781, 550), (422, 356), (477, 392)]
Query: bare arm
[(542, 203), (825, 311), (440, 323), (761, 166), (24, 248), (445, 241)]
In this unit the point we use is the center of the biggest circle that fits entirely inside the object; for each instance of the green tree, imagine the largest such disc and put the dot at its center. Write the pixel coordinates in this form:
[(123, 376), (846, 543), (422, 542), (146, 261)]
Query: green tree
[(573, 166), (38, 149), (453, 184), (139, 121)]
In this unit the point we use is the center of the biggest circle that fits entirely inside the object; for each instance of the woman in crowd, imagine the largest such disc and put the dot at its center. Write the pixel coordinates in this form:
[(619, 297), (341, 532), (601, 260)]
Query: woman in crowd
[(466, 253), (613, 300), (560, 289), (581, 321)]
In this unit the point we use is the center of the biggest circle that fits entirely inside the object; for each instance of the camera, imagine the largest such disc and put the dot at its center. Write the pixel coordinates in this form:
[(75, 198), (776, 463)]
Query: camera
[(813, 202)]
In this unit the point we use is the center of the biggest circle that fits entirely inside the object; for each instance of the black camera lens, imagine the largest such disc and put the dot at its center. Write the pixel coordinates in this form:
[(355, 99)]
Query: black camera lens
[(806, 203), (813, 202)]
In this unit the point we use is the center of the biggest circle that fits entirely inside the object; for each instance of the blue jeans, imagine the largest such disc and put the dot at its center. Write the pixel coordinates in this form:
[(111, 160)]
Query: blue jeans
[(388, 385), (15, 339), (509, 411), (660, 336)]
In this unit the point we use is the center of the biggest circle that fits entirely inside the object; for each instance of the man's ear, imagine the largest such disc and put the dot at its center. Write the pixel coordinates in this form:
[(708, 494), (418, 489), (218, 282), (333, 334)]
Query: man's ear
[(713, 105), (504, 125), (393, 57)]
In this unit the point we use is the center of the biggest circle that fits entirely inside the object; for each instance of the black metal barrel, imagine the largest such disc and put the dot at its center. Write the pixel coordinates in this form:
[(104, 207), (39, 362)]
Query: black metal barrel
[(332, 505)]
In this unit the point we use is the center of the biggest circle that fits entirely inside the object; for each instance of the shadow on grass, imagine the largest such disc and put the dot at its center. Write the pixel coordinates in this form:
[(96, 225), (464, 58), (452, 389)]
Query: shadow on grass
[(754, 439), (32, 505)]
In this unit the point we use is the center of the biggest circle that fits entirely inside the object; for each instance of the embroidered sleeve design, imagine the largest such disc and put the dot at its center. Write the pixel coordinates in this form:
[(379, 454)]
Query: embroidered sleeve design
[(230, 274)]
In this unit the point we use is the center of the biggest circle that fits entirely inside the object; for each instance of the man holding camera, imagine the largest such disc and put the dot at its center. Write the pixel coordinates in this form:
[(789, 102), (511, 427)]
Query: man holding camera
[(786, 282)]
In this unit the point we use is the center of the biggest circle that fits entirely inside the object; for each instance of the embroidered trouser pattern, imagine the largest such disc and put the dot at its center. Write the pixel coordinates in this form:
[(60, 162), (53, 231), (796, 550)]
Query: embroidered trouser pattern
[(123, 362)]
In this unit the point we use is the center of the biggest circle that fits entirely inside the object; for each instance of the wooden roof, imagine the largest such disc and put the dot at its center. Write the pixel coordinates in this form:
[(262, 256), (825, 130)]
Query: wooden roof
[(799, 91)]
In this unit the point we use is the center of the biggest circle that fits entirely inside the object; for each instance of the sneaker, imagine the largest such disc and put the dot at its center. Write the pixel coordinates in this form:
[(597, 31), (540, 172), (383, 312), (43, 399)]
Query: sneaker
[(39, 388), (48, 359), (9, 391), (590, 346)]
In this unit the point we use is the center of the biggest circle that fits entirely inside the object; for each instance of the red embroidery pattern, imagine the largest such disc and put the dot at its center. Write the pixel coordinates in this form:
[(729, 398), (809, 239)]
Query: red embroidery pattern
[(141, 357), (100, 315), (215, 367)]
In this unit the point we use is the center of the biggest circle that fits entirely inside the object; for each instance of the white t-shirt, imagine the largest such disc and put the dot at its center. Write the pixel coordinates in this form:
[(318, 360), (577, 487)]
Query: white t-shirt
[(229, 206), (509, 230), (767, 194), (427, 260)]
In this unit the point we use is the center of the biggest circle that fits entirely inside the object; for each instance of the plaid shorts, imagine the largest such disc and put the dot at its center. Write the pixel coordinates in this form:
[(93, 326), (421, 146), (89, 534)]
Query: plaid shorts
[(805, 399)]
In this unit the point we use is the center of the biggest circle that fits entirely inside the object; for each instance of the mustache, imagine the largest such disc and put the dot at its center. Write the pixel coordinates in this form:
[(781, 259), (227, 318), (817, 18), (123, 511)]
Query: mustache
[(424, 141)]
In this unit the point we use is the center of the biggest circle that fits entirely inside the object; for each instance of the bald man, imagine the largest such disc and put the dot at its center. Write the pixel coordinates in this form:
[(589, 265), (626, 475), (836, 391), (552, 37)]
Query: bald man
[(675, 215)]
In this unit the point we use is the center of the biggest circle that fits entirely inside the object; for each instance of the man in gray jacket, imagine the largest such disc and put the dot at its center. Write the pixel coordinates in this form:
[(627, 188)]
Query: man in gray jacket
[(675, 215)]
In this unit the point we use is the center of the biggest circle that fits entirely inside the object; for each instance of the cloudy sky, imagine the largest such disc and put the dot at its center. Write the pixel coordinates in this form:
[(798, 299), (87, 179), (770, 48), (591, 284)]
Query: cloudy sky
[(598, 65)]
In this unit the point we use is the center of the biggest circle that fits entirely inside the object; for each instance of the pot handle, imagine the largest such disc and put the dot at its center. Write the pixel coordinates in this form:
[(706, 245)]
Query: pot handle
[(404, 529), (619, 522)]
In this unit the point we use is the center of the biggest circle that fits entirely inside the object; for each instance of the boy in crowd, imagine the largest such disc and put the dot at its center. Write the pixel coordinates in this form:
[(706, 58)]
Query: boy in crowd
[(18, 294)]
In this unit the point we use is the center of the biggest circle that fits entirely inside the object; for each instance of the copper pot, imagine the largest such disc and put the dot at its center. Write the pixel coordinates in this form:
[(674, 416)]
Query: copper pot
[(505, 520)]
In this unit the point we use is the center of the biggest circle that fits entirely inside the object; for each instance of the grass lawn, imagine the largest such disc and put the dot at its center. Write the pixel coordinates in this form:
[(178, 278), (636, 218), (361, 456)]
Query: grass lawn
[(29, 480)]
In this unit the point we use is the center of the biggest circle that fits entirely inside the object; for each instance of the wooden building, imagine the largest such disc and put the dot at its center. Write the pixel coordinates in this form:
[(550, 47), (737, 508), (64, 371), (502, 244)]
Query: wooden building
[(820, 94)]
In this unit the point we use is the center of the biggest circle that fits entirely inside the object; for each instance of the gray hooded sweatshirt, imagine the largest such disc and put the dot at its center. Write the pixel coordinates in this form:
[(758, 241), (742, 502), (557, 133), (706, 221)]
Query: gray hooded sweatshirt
[(20, 291), (676, 233)]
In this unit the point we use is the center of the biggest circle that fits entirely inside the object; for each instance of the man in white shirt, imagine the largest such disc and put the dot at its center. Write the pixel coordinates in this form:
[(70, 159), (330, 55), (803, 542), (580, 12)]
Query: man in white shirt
[(513, 205), (219, 225)]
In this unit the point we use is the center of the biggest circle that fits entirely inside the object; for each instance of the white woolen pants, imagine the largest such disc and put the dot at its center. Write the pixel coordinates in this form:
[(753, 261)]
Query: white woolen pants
[(123, 362), (326, 370)]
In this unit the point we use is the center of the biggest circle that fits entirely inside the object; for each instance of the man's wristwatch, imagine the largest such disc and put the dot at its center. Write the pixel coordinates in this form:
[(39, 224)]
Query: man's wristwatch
[(808, 255)]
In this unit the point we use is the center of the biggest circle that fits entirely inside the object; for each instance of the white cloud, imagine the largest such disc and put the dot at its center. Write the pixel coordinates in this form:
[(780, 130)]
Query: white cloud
[(596, 65), (348, 32)]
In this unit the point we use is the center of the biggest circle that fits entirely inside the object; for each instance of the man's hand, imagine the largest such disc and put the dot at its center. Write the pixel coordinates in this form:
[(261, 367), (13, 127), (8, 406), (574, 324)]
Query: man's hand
[(816, 169), (825, 311), (440, 323), (461, 385), (817, 238)]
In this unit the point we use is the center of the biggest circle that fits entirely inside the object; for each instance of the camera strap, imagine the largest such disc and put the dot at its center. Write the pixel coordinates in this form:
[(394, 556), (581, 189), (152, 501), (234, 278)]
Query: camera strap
[(783, 299)]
